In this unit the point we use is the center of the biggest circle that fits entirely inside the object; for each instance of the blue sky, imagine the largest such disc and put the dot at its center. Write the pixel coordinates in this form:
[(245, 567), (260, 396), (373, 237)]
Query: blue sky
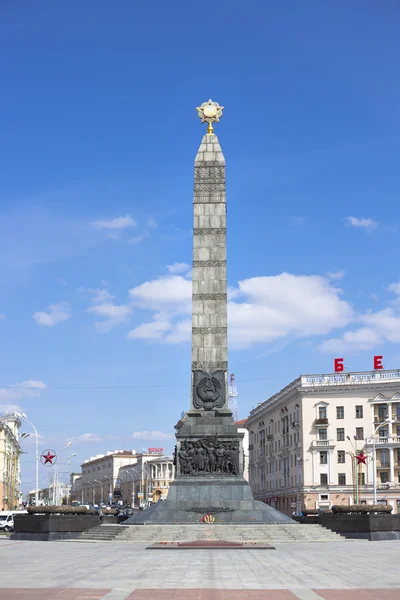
[(99, 133)]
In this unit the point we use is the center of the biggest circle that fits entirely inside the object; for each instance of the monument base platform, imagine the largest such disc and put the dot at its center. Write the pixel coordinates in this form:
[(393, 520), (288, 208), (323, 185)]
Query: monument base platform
[(228, 499)]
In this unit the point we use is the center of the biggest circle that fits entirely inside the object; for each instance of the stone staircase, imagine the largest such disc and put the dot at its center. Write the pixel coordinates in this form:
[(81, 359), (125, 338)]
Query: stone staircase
[(145, 534)]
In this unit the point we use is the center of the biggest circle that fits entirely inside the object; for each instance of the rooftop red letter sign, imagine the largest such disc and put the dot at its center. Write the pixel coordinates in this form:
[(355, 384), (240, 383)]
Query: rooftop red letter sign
[(339, 365), (378, 362)]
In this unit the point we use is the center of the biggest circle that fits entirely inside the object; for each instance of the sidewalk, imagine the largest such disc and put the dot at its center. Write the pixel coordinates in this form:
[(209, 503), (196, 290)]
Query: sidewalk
[(73, 571)]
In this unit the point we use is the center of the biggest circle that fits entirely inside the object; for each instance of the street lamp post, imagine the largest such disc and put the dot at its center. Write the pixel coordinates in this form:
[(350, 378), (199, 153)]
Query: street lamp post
[(110, 492), (386, 421), (133, 487), (23, 416)]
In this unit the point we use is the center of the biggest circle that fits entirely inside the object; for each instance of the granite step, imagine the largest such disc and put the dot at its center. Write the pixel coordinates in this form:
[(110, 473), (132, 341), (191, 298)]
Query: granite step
[(239, 533)]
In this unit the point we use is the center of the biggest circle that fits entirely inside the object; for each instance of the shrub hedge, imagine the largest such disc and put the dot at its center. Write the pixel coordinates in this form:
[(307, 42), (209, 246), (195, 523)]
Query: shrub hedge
[(59, 510), (362, 509)]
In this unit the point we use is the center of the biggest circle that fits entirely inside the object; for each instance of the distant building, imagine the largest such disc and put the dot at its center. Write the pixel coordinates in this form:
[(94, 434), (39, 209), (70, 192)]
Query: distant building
[(302, 441), (242, 429), (55, 494), (98, 481), (10, 452), (147, 480)]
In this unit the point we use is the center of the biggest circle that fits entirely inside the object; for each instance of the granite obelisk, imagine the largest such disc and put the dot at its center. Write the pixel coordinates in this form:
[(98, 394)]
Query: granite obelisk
[(209, 449)]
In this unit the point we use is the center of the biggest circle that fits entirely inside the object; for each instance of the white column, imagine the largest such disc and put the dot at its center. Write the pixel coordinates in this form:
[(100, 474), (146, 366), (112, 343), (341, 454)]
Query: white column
[(330, 458), (391, 462), (390, 417)]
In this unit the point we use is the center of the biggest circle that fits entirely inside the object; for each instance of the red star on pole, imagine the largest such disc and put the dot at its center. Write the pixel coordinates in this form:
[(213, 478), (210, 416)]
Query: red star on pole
[(361, 458), (48, 458)]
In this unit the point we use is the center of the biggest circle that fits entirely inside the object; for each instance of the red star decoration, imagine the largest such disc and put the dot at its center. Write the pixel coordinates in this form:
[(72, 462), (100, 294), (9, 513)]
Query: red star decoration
[(361, 458), (48, 457)]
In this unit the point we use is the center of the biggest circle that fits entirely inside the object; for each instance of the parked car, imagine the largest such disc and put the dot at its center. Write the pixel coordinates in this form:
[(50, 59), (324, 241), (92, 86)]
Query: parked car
[(7, 519)]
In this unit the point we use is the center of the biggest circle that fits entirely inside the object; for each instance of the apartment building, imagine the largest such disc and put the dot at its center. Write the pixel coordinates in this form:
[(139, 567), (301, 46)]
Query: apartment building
[(10, 452), (304, 439), (147, 481), (99, 476)]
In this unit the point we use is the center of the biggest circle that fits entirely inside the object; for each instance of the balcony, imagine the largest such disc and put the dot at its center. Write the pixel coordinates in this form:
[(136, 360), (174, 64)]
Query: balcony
[(323, 444), (321, 422), (380, 419), (384, 441)]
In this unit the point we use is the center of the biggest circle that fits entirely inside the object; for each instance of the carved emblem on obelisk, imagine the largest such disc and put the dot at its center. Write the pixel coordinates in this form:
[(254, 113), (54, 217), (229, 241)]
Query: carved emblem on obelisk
[(210, 112), (209, 390)]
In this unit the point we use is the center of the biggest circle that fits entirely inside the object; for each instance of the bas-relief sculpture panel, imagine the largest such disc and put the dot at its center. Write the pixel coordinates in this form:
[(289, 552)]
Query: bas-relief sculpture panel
[(208, 456)]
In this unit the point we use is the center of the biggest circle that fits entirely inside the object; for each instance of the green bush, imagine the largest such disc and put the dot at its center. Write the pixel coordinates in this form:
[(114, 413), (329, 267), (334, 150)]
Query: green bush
[(57, 510), (362, 509)]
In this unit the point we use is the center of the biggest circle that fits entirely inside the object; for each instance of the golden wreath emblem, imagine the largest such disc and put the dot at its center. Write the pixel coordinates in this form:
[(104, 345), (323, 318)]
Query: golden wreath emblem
[(208, 519)]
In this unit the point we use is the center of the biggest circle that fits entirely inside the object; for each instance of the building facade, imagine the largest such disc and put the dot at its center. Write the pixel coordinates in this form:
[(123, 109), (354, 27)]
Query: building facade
[(98, 482), (10, 452), (242, 429), (147, 481), (304, 439)]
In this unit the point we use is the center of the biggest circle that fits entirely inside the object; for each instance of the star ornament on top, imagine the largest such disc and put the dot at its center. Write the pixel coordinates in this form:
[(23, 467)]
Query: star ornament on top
[(361, 458), (48, 458), (210, 112)]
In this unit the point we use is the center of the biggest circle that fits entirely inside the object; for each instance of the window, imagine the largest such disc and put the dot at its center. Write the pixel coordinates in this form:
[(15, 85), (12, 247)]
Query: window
[(340, 412), (323, 479), (383, 432), (361, 479), (359, 433), (382, 412), (341, 457), (324, 497), (323, 458), (323, 434), (384, 502), (322, 412), (384, 457), (384, 476), (359, 412), (398, 430), (342, 478), (340, 434)]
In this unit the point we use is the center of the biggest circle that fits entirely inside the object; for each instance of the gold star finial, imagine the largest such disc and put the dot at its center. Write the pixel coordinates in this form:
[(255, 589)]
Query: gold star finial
[(210, 112)]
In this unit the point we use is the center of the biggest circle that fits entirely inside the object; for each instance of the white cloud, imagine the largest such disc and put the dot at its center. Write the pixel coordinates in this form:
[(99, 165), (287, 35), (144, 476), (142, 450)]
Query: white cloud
[(152, 223), (363, 338), (138, 239), (283, 305), (178, 268), (377, 327), (103, 306), (394, 287), (88, 438), (54, 313), (118, 223), (150, 331), (260, 309), (335, 275), (152, 435), (26, 389), (9, 409), (298, 221), (168, 293), (366, 224)]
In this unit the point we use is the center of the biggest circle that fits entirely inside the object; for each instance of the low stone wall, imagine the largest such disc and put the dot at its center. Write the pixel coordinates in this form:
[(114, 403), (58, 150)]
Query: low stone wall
[(367, 526), (46, 527)]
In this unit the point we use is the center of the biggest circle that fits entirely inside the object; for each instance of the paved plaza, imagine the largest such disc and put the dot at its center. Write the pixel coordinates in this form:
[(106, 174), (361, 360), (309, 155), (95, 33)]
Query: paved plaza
[(350, 570)]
